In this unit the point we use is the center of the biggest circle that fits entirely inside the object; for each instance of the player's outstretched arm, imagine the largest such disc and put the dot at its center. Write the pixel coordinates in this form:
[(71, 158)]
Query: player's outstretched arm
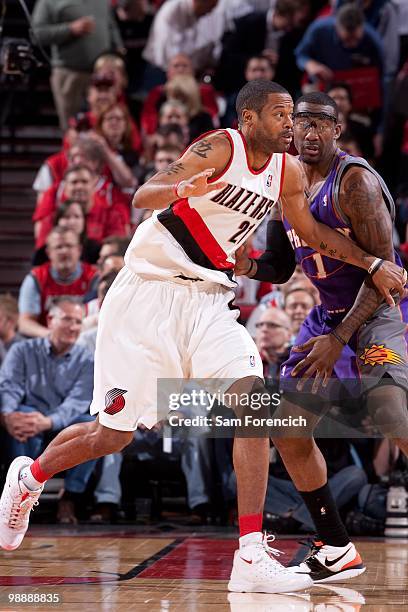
[(189, 175), (326, 240)]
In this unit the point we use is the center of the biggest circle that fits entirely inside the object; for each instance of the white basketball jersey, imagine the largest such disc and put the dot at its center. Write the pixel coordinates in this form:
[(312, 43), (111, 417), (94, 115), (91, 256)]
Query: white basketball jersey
[(196, 238)]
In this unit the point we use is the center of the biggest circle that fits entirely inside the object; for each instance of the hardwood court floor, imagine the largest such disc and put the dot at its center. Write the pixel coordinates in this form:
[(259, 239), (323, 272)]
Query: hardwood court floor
[(127, 570)]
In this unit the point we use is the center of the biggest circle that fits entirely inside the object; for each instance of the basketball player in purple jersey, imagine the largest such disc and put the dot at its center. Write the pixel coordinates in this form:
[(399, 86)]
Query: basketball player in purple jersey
[(346, 194), (168, 314)]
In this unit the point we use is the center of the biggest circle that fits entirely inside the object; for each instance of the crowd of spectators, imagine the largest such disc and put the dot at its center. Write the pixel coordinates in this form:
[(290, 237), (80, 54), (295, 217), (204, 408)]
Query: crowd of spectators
[(134, 82)]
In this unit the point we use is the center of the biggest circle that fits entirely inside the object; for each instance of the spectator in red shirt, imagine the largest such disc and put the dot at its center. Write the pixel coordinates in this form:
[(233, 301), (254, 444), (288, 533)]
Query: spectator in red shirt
[(107, 209), (71, 215), (85, 151), (179, 65), (101, 95), (64, 274), (114, 133)]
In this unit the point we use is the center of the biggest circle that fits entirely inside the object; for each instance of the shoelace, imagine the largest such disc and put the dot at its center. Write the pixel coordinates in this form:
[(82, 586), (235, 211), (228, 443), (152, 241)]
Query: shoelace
[(265, 543), (19, 510)]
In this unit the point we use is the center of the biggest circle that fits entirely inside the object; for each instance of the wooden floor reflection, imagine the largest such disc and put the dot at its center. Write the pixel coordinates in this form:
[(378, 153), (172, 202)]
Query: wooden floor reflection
[(115, 571)]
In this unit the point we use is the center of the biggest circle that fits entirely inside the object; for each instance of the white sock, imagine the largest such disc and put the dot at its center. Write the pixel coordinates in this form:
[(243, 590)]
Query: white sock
[(28, 479), (250, 538)]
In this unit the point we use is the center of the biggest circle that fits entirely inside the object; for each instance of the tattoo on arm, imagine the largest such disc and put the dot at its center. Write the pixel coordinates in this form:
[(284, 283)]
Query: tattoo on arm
[(362, 200), (201, 148), (174, 168)]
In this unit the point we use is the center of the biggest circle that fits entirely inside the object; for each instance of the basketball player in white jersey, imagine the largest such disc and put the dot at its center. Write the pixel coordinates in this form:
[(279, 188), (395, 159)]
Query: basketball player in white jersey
[(167, 314)]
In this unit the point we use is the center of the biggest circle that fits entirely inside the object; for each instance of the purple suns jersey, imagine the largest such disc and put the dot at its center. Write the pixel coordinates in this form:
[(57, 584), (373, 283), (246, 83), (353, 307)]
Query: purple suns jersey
[(337, 282)]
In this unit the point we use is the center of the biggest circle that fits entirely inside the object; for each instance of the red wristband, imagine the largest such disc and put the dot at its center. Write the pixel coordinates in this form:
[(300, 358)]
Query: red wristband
[(175, 188)]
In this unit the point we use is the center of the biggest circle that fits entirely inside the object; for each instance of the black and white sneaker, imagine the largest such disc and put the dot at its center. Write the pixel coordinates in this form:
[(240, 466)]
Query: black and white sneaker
[(326, 563)]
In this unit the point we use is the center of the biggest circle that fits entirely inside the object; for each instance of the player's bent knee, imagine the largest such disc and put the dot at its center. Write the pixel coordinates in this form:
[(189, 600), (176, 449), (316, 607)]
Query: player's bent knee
[(107, 441), (289, 446)]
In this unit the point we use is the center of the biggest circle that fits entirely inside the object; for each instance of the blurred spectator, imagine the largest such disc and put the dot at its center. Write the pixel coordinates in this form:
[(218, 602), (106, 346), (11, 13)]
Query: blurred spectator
[(113, 67), (169, 134), (298, 280), (114, 262), (85, 151), (402, 29), (239, 8), (352, 124), (178, 65), (192, 27), (111, 258), (113, 131), (135, 18), (102, 94), (298, 304), (63, 275), (343, 42), (71, 215), (257, 67), (45, 386), (87, 337), (254, 34), (106, 207), (394, 163), (174, 111), (77, 33), (163, 157), (382, 15), (347, 143), (185, 89), (112, 245), (287, 71), (8, 324), (273, 334)]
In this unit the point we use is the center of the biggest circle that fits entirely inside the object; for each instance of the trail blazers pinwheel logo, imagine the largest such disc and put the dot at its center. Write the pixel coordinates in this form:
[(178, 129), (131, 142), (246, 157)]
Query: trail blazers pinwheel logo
[(379, 354), (114, 401)]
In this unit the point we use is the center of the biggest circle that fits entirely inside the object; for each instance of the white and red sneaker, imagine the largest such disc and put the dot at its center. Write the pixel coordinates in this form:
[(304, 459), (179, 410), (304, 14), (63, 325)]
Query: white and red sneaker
[(326, 563), (255, 569), (16, 503)]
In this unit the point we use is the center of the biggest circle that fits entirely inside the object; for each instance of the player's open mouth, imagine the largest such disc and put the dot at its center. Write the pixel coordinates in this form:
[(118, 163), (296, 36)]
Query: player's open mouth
[(313, 149), (288, 136)]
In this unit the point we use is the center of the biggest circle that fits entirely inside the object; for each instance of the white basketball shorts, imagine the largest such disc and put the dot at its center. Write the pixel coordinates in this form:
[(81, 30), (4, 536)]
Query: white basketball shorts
[(154, 329)]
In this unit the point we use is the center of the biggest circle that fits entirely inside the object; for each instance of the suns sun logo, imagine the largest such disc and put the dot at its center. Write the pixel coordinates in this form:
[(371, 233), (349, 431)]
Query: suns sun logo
[(379, 354)]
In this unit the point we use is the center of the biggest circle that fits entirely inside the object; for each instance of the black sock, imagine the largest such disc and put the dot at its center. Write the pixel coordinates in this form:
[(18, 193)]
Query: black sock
[(325, 515)]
